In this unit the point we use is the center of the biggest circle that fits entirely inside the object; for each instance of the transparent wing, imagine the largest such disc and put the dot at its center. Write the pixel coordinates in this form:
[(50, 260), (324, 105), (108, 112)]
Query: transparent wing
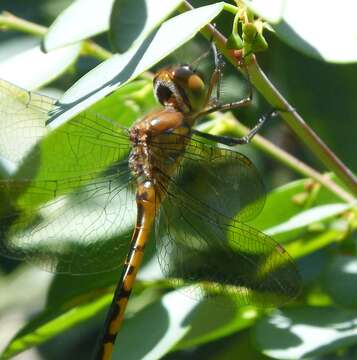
[(199, 242), (70, 196), (225, 180), (22, 120), (89, 142), (85, 229)]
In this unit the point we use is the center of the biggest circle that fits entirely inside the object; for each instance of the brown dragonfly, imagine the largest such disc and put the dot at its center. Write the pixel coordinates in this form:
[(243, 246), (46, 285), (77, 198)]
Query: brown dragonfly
[(71, 202)]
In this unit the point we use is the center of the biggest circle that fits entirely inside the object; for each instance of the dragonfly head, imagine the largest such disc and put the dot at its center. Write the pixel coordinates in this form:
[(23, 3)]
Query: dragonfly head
[(180, 87)]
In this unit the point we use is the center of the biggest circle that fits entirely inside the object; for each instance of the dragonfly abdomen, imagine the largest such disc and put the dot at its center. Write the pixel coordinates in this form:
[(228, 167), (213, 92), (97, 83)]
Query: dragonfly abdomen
[(146, 203)]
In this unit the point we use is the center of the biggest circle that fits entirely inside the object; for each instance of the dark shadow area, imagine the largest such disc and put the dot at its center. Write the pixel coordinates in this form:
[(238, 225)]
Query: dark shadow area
[(122, 12)]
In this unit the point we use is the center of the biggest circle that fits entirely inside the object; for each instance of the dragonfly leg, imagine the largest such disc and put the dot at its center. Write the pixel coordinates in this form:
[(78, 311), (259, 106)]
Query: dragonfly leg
[(231, 141), (215, 105), (216, 77)]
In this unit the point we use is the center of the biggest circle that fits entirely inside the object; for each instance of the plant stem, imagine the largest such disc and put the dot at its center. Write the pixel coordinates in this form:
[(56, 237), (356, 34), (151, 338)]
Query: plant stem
[(288, 113), (93, 49), (9, 21), (227, 123)]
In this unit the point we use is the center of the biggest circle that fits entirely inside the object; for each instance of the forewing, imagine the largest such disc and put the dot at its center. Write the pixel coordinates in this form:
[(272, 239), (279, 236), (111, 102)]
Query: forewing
[(69, 197)]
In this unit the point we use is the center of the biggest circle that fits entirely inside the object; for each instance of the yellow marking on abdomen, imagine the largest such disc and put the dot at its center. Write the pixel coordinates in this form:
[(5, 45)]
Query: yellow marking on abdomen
[(107, 351), (116, 322)]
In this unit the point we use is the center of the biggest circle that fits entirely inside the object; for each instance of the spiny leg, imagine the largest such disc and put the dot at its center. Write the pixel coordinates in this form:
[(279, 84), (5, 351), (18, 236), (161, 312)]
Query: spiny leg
[(216, 77), (231, 141), (215, 81)]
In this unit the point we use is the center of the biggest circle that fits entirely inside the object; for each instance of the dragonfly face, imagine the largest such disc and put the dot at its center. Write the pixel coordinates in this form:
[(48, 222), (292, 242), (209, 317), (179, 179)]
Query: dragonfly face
[(180, 87)]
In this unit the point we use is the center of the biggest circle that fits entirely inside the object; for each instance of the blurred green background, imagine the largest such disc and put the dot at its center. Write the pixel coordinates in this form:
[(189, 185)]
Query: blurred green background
[(323, 93)]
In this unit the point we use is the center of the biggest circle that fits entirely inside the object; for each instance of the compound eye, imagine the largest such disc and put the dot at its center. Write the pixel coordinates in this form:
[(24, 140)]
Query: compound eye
[(182, 73), (188, 79)]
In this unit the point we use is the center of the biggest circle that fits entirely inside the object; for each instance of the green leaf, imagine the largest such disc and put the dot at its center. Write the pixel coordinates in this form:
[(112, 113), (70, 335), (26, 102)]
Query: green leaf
[(308, 217), (226, 318), (313, 27), (291, 221), (281, 203), (120, 69), (340, 280), (132, 21), (308, 242), (305, 332), (239, 346), (54, 321), (71, 301), (33, 68), (81, 20)]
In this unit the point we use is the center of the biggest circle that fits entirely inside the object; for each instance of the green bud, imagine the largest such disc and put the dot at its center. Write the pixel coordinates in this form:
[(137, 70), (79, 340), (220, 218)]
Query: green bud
[(249, 32), (259, 43), (252, 34), (234, 41), (250, 15)]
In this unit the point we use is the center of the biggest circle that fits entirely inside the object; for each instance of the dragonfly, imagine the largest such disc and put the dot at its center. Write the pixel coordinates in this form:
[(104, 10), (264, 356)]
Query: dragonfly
[(70, 203)]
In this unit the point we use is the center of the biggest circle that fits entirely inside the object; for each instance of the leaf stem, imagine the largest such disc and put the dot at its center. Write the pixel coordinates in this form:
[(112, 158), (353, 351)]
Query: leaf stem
[(9, 21), (288, 113)]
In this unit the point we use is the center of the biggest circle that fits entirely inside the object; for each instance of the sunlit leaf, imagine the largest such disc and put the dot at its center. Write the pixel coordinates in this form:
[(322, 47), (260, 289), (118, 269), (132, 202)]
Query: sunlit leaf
[(282, 205), (52, 322), (33, 68), (92, 15), (305, 332), (308, 217), (177, 321)]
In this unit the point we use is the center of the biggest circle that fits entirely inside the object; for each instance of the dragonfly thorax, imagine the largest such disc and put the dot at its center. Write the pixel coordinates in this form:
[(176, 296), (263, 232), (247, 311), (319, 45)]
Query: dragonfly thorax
[(158, 143)]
